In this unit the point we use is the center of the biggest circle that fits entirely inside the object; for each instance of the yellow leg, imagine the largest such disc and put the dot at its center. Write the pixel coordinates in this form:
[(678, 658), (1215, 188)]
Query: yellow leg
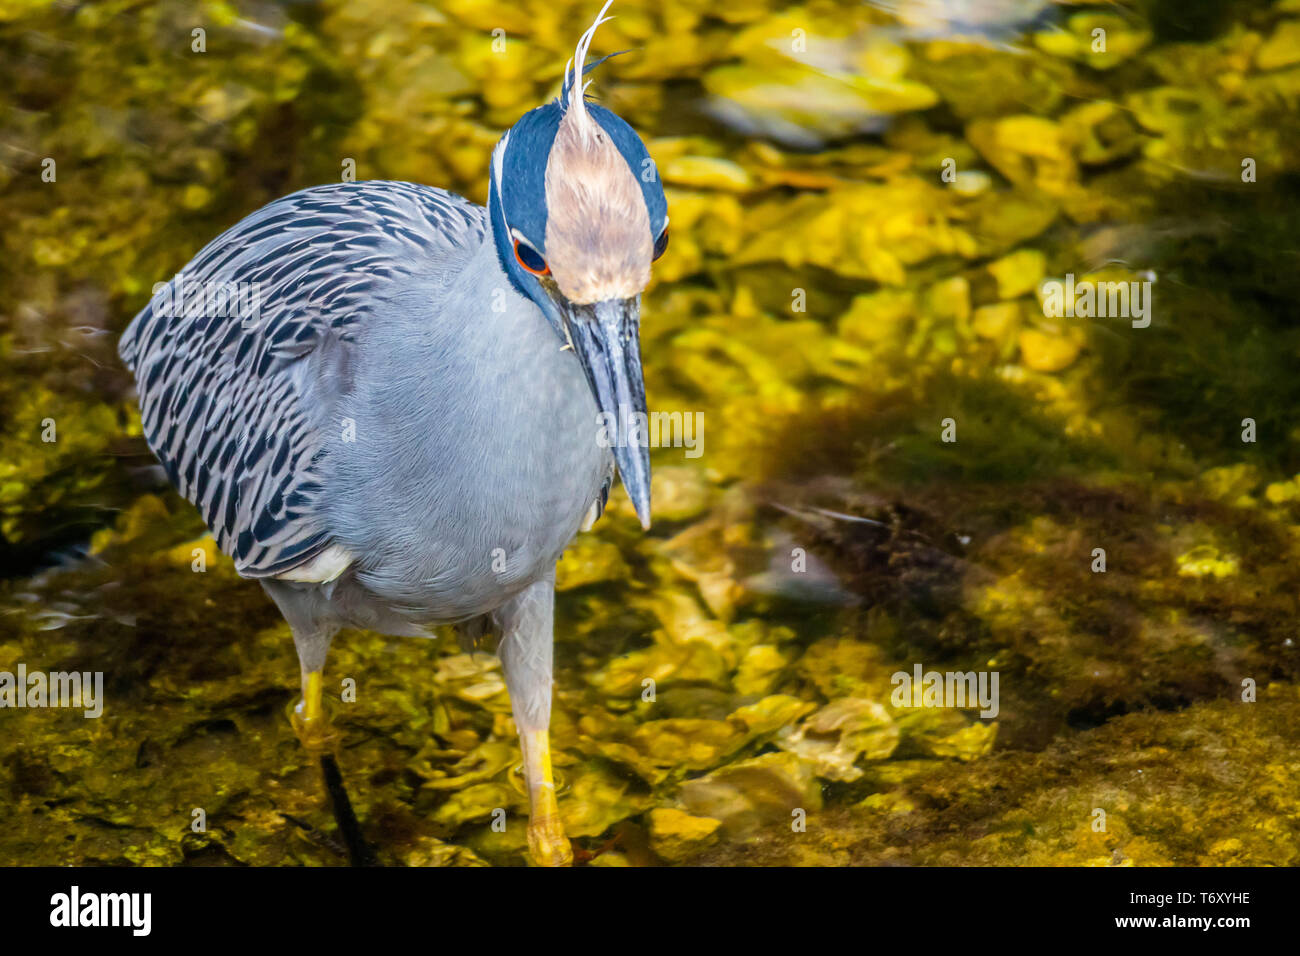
[(547, 844), (309, 719)]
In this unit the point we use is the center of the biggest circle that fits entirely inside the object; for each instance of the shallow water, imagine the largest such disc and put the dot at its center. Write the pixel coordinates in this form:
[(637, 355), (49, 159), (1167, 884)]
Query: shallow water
[(905, 458)]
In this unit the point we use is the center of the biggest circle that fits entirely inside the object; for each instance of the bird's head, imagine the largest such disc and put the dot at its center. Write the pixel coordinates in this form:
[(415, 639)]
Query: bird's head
[(578, 215)]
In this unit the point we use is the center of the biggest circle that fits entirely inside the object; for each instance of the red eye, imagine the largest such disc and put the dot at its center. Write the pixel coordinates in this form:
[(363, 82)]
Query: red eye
[(531, 259)]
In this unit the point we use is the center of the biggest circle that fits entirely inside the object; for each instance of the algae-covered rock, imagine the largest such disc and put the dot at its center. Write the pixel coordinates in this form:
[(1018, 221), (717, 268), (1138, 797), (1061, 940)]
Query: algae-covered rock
[(596, 801), (481, 764), (1282, 48), (1018, 273), (431, 852), (679, 492), (753, 794), (664, 663), (1233, 483), (1101, 40), (676, 836), (1101, 133), (706, 172), (804, 81), (1004, 219), (760, 668), (832, 740), (699, 554), (945, 732), (979, 82), (1028, 150), (843, 667), (1050, 347), (477, 802), (589, 560), (658, 749), (770, 714), (1207, 560), (690, 744), (998, 321)]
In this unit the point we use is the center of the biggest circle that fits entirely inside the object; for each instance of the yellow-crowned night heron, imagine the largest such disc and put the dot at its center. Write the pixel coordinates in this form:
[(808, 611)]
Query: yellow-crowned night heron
[(419, 415)]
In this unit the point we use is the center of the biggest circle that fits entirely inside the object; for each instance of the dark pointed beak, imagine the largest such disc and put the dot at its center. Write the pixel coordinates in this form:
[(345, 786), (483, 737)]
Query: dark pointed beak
[(606, 338)]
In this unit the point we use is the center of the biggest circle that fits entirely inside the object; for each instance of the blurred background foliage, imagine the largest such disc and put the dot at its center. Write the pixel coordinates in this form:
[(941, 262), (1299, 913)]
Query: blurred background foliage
[(828, 300)]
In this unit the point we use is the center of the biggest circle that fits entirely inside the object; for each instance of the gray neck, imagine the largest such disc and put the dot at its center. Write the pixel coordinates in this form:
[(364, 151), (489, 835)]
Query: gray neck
[(473, 429), (470, 342)]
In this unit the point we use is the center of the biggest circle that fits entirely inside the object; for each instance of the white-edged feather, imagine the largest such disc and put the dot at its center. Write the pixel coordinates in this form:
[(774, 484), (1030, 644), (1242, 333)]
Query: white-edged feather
[(577, 89)]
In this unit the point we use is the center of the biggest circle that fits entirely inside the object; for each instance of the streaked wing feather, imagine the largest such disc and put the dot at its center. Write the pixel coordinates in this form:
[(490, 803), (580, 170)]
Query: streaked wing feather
[(229, 404)]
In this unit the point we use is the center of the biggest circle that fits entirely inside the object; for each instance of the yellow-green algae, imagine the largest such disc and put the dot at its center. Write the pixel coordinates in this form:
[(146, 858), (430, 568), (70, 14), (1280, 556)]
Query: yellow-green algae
[(708, 696)]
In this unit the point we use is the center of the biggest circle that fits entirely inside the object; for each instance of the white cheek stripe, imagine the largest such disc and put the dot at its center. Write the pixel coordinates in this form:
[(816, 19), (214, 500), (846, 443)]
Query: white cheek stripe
[(515, 233), (498, 159)]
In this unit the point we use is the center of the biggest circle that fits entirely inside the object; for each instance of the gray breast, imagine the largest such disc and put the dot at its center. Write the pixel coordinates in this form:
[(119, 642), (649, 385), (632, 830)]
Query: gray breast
[(474, 458)]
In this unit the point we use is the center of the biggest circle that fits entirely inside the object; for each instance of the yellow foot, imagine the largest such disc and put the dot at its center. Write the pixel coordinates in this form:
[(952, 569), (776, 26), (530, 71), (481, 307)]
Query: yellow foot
[(547, 844), (315, 734), (308, 717)]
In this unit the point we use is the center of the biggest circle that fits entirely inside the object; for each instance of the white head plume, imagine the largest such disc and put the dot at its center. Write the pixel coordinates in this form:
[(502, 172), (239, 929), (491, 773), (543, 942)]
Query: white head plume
[(573, 101)]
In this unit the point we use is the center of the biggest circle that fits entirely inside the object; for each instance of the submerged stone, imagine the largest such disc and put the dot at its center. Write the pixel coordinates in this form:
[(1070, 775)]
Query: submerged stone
[(676, 836), (832, 740), (1282, 48), (1050, 348), (753, 794)]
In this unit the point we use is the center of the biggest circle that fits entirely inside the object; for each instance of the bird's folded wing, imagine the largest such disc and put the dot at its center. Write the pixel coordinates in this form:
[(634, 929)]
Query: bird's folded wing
[(230, 402)]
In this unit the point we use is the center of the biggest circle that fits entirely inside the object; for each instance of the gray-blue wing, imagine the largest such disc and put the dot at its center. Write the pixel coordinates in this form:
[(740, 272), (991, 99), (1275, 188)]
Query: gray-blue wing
[(237, 368)]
